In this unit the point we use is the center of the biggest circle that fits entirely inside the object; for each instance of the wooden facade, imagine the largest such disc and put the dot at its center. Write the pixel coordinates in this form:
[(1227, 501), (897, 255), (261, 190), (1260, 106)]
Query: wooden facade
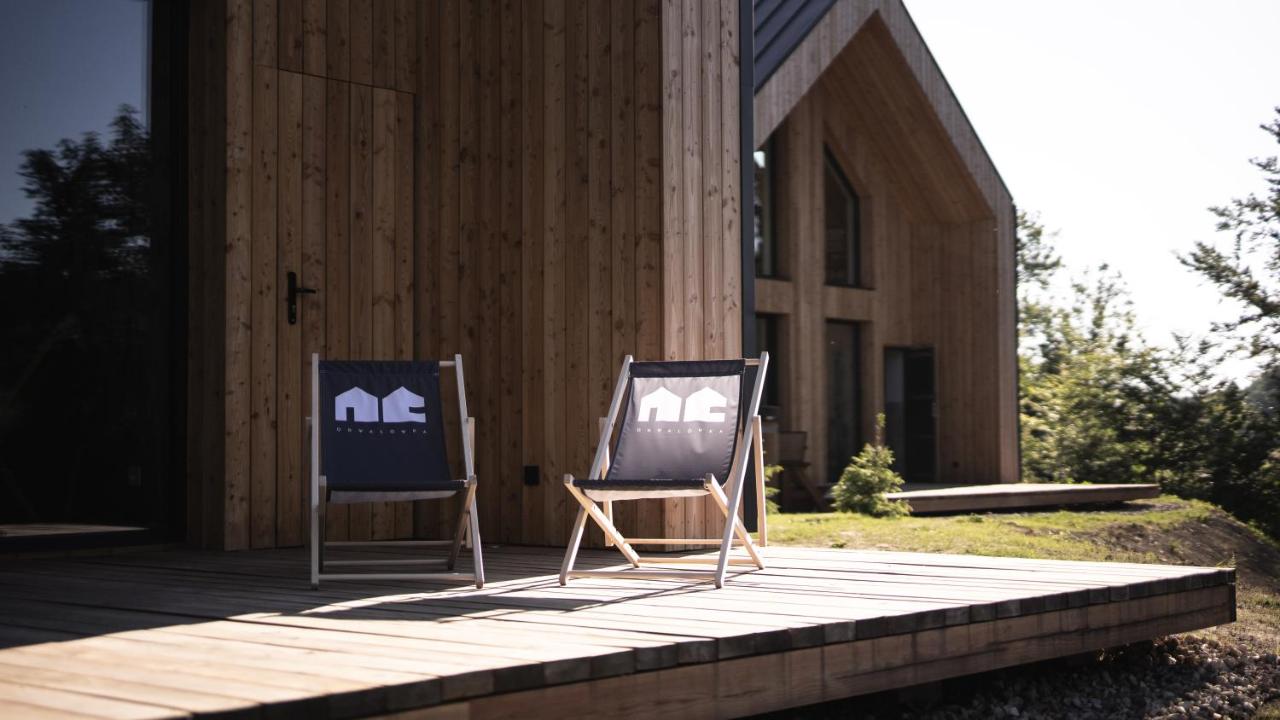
[(542, 186), (936, 237)]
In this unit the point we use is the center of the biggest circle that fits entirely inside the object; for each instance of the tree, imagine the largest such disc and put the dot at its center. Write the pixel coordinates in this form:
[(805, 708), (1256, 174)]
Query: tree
[(866, 479), (1037, 261), (1229, 442), (1090, 385), (1248, 270), (1036, 264), (1100, 404)]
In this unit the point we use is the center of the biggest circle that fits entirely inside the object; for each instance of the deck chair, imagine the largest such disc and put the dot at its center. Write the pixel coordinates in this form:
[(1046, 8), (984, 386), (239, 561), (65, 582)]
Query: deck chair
[(376, 434), (685, 433)]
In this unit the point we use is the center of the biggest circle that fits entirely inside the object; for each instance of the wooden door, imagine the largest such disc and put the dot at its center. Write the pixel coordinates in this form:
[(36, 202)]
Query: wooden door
[(344, 219)]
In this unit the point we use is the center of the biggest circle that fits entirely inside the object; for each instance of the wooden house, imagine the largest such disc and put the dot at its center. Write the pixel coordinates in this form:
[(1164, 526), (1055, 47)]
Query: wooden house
[(547, 186), (885, 252), (543, 186)]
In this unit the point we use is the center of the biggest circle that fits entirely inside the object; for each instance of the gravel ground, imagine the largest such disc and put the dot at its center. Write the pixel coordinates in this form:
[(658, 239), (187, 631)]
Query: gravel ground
[(1186, 677), (1189, 676)]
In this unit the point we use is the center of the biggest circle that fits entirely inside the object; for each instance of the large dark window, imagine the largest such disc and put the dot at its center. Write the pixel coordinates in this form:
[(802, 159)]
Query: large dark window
[(844, 396), (841, 225), (766, 242), (910, 408), (89, 180)]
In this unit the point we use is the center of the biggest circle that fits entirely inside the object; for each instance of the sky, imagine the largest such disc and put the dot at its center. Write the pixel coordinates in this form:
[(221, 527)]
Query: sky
[(1120, 123), (66, 66)]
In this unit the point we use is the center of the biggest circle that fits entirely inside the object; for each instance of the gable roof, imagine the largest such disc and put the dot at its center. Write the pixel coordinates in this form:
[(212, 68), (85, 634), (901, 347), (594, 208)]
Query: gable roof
[(780, 26), (808, 55)]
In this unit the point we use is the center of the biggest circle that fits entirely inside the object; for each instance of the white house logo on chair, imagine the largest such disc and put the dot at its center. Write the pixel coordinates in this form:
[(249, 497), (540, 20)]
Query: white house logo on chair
[(358, 411), (705, 406)]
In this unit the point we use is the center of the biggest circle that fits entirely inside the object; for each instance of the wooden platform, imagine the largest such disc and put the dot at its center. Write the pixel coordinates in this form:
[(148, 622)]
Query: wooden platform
[(179, 633), (981, 498), (41, 530)]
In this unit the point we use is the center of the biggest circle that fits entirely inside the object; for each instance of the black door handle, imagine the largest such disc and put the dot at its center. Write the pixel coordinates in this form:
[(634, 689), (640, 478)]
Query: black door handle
[(294, 291)]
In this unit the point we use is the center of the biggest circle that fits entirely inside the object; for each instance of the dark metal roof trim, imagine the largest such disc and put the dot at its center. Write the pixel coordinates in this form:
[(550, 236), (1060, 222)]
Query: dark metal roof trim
[(779, 28)]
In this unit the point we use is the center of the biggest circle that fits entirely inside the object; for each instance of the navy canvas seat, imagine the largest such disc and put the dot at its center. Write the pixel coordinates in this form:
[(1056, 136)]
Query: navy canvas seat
[(685, 431), (378, 435)]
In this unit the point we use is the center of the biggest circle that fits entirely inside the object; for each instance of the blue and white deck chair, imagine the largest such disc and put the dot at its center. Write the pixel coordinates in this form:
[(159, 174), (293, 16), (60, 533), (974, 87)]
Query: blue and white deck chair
[(381, 439), (685, 432)]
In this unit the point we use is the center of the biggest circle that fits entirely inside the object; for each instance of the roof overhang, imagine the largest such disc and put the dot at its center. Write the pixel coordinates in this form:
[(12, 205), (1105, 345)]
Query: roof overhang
[(890, 24)]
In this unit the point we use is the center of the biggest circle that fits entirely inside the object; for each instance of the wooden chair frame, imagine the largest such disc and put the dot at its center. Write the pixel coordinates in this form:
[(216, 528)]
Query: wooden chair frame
[(749, 442), (467, 530)]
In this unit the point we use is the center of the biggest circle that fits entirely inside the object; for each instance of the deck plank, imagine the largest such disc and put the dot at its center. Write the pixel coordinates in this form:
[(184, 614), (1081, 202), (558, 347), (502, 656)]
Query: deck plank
[(253, 639), (35, 701)]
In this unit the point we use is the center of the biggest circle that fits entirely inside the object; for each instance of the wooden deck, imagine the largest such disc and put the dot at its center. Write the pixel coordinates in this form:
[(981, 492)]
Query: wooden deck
[(181, 633), (981, 498)]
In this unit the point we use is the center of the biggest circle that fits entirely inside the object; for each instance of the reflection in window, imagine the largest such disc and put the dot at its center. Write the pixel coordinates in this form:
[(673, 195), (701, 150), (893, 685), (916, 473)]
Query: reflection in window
[(765, 222), (85, 266), (841, 224)]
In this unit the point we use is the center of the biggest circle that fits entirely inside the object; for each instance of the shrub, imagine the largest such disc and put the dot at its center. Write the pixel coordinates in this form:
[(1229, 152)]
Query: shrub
[(866, 479), (1264, 510), (772, 489)]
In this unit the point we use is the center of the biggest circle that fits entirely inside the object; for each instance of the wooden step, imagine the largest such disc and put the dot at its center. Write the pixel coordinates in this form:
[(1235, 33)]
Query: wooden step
[(982, 498)]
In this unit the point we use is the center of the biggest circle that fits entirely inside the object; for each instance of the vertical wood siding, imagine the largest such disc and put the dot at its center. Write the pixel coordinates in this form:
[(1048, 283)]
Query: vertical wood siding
[(700, 241), (313, 181), (544, 141), (477, 177)]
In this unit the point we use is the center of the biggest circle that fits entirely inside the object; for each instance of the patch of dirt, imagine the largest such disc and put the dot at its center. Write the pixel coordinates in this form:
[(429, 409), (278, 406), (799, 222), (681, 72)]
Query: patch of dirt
[(1220, 540)]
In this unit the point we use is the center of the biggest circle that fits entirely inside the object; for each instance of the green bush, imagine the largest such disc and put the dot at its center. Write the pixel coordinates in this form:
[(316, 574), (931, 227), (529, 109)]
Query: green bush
[(866, 479), (1263, 508), (772, 489)]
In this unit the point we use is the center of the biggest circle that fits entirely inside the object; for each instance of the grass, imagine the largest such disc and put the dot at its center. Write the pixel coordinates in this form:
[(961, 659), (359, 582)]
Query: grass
[(1062, 535), (1167, 530)]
